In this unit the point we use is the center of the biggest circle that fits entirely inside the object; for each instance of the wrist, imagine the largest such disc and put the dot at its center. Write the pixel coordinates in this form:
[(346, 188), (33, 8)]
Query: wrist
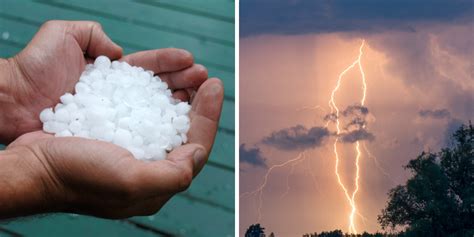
[(26, 187)]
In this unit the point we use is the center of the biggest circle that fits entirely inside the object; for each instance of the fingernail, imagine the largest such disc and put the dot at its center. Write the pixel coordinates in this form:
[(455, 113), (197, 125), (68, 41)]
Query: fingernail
[(216, 88), (199, 158)]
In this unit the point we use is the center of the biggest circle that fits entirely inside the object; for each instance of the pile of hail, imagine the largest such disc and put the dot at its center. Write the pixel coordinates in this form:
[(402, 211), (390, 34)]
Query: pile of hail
[(122, 104)]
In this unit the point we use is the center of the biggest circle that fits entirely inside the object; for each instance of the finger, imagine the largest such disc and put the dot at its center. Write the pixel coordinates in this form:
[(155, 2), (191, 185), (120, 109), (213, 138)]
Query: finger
[(169, 176), (181, 95), (205, 113), (29, 138), (190, 77), (161, 60), (93, 40)]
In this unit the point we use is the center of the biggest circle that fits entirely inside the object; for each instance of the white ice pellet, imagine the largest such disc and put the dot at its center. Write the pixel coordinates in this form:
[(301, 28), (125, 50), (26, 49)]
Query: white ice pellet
[(67, 98), (122, 104), (82, 88), (137, 141), (48, 127), (182, 108), (64, 133), (62, 115), (82, 133), (75, 126), (122, 137), (181, 123), (59, 126), (102, 62), (47, 115), (72, 107)]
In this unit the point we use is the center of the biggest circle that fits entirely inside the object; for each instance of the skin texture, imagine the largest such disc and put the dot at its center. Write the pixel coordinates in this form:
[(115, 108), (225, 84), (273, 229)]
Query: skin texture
[(40, 173)]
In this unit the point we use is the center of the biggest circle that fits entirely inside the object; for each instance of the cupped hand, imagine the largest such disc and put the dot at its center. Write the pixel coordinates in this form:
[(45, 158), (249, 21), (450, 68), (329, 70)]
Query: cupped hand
[(53, 61), (91, 177), (97, 178)]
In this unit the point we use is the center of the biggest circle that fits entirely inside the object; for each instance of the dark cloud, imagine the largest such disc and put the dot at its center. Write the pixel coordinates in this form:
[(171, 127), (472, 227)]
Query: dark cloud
[(357, 117), (310, 16), (436, 113), (330, 117), (297, 137), (428, 60), (251, 156), (357, 135), (355, 123), (355, 110), (351, 110)]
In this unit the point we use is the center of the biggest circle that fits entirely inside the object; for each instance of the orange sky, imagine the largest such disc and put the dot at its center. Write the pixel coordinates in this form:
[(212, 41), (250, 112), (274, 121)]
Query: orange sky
[(406, 72)]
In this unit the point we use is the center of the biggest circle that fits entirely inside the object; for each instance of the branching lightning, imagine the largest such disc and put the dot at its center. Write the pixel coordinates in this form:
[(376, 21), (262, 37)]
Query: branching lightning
[(317, 107), (332, 104), (260, 189), (334, 109), (288, 178), (377, 164)]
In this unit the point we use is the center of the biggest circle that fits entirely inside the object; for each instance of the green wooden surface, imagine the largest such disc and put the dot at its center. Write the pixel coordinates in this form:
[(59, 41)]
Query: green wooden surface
[(205, 28)]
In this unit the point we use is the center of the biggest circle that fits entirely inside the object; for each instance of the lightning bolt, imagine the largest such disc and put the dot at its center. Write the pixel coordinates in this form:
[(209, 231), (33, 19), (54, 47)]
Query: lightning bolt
[(351, 197), (260, 189), (316, 185), (332, 104), (377, 164), (288, 182), (316, 107)]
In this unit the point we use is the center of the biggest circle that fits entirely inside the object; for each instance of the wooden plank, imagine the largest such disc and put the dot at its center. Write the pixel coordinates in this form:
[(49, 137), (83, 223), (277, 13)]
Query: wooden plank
[(180, 216), (24, 29), (227, 120), (6, 232), (224, 150), (195, 26), (222, 154), (20, 33), (72, 226), (221, 157), (191, 218), (219, 55), (206, 209), (216, 9), (214, 185), (6, 49)]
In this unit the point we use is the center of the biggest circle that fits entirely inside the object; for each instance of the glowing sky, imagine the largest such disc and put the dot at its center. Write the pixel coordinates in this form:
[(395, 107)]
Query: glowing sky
[(419, 87)]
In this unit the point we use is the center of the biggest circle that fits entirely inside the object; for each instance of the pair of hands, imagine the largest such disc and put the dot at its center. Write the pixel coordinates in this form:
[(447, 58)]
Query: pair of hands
[(40, 173)]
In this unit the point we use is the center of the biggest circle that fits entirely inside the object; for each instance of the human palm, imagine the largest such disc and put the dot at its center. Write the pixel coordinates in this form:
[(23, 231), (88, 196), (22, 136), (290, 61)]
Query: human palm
[(51, 65), (78, 174)]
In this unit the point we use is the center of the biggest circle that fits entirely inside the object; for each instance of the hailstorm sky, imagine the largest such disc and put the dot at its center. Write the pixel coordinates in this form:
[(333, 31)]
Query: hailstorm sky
[(418, 61)]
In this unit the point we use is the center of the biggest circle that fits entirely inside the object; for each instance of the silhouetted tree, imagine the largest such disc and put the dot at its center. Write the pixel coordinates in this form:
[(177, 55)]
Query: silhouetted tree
[(339, 233), (255, 231), (439, 199)]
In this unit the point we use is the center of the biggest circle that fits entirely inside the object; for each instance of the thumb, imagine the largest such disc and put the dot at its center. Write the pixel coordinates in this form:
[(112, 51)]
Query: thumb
[(172, 175), (29, 138), (93, 40), (189, 156)]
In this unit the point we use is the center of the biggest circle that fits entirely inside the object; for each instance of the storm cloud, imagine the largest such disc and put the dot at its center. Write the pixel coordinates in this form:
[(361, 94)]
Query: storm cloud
[(297, 138), (309, 16), (435, 114), (355, 110), (252, 156), (357, 135)]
